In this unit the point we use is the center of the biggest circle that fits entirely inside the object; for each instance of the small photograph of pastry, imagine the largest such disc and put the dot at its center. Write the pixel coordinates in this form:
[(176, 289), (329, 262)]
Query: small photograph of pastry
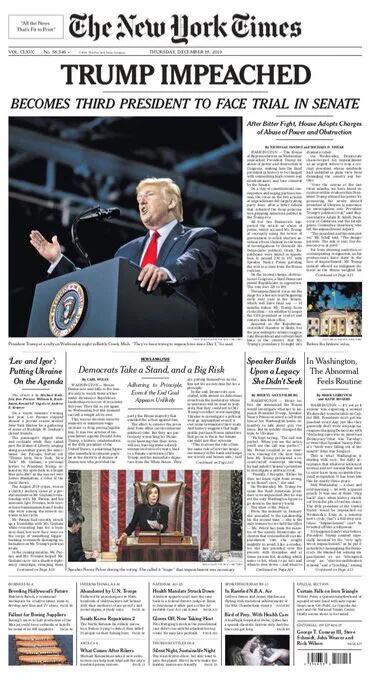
[(39, 649)]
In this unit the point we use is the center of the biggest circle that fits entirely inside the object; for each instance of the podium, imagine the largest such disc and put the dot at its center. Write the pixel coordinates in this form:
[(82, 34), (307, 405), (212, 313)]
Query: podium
[(176, 552), (107, 301)]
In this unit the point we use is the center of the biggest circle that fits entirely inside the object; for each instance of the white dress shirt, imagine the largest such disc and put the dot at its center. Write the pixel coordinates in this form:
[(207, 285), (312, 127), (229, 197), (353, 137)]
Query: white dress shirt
[(164, 233)]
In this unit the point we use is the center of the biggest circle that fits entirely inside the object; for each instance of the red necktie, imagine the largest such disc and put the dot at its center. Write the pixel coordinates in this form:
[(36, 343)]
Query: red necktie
[(150, 256)]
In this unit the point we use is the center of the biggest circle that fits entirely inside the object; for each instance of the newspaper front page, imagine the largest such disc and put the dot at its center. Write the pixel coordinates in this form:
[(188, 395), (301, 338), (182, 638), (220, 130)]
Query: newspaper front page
[(186, 349)]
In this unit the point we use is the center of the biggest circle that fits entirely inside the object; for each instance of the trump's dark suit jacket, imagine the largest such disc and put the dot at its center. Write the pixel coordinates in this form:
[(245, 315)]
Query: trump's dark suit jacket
[(190, 256)]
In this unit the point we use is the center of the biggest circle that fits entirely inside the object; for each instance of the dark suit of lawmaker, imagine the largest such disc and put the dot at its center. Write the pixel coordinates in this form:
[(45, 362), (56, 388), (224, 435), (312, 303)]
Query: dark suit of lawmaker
[(75, 550), (143, 512), (190, 256)]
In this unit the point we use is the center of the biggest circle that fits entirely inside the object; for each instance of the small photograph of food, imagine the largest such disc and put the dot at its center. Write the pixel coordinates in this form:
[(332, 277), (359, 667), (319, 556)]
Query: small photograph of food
[(39, 649)]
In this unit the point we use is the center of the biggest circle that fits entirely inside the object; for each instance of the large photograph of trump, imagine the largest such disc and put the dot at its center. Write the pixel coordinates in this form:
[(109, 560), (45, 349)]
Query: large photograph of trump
[(125, 226)]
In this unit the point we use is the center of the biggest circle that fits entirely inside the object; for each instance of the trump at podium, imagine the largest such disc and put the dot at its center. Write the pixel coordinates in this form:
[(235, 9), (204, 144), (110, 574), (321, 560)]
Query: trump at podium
[(169, 253)]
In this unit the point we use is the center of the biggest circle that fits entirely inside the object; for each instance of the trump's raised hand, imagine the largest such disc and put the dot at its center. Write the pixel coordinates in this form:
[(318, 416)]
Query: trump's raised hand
[(50, 251)]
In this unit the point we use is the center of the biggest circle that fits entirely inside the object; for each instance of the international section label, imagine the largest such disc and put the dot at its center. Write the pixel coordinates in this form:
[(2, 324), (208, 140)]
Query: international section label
[(67, 309)]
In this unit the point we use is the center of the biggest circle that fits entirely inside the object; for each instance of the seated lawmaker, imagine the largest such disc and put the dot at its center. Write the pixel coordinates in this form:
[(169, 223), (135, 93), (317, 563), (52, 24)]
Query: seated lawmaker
[(76, 552), (150, 515)]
